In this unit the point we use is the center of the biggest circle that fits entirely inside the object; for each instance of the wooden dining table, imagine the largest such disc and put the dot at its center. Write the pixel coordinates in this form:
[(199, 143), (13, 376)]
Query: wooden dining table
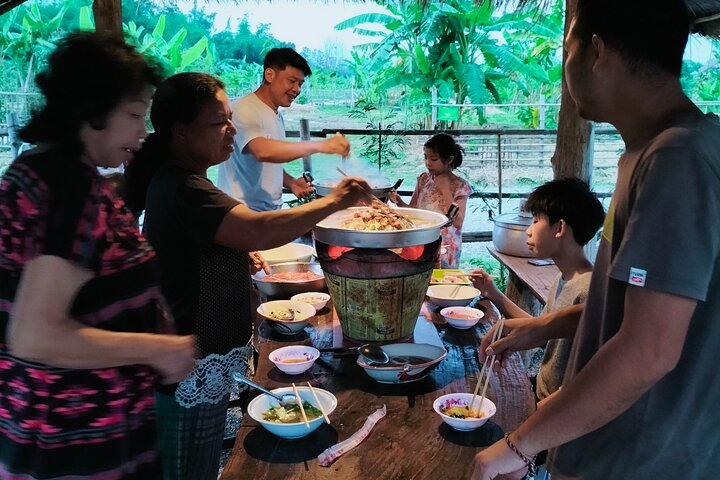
[(411, 441)]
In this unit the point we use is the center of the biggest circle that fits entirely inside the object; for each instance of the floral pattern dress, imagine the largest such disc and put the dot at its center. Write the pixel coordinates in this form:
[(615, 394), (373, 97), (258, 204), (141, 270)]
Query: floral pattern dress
[(428, 196), (72, 423)]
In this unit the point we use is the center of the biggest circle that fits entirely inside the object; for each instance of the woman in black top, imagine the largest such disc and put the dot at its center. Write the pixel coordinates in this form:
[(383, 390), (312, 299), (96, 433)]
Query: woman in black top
[(202, 237)]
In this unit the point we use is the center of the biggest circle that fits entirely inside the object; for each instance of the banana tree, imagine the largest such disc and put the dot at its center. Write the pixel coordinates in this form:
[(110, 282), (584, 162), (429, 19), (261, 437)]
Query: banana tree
[(25, 41), (456, 43), (170, 54)]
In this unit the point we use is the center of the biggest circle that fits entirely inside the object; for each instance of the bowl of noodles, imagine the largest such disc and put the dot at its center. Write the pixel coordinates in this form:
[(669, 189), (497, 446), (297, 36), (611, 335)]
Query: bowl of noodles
[(287, 422), (455, 410), (287, 316)]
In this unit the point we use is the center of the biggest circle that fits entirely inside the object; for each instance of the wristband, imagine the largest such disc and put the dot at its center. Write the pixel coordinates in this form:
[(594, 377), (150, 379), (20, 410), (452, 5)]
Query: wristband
[(529, 462)]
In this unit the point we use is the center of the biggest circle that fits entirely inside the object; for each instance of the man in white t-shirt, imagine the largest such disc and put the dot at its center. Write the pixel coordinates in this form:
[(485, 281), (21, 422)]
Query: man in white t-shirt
[(254, 173)]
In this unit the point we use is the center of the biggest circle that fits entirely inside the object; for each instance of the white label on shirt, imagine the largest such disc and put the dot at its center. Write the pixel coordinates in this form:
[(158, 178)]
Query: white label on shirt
[(637, 277)]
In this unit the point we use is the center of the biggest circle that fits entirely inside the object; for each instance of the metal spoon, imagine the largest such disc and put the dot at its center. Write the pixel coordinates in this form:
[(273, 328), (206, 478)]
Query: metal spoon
[(374, 353), (286, 400)]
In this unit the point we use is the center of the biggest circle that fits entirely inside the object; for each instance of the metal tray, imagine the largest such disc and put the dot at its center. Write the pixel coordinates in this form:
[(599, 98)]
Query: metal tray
[(427, 230)]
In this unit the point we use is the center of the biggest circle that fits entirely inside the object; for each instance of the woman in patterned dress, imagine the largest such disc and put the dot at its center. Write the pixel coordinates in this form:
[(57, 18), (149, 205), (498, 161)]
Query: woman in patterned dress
[(438, 188), (79, 301), (202, 237)]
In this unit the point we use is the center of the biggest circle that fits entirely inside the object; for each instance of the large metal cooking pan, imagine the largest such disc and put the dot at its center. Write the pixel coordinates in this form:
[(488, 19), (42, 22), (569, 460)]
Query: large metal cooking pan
[(379, 188), (427, 230)]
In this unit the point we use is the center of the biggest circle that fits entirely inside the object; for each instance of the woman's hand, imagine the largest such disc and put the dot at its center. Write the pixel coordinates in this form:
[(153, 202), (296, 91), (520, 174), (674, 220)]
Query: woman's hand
[(257, 263), (351, 190), (300, 188), (174, 357)]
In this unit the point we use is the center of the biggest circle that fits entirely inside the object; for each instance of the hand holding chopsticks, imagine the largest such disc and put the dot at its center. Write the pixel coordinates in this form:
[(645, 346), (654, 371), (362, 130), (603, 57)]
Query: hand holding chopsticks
[(485, 370)]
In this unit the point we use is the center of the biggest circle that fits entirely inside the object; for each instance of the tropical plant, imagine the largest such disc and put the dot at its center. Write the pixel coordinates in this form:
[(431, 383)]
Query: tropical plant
[(454, 46), (379, 146)]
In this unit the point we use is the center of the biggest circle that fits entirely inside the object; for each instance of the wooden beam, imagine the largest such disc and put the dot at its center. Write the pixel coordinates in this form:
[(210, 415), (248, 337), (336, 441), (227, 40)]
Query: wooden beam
[(108, 16), (575, 134), (6, 6)]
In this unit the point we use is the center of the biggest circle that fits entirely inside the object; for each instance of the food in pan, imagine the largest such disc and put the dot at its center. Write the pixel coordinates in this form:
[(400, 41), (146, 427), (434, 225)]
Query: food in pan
[(291, 414), (292, 277), (378, 217)]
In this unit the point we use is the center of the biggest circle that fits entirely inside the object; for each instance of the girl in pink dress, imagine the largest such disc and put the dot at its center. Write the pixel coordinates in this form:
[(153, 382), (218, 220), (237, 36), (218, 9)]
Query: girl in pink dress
[(438, 188)]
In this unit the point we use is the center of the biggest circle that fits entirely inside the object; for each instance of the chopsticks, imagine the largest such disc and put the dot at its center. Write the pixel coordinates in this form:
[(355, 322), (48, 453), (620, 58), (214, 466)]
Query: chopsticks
[(299, 402), (342, 172), (496, 336), (327, 420)]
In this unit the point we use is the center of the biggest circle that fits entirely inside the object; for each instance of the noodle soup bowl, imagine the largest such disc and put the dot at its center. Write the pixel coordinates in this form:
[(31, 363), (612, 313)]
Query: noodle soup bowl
[(441, 405), (263, 403), (277, 313)]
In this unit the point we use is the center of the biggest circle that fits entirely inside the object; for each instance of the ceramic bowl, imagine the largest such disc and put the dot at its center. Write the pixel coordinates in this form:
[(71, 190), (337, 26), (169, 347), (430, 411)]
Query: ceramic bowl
[(276, 311), (409, 362), (448, 296), (462, 317), (294, 359), (262, 404), (317, 299), (288, 288), (291, 252), (463, 400)]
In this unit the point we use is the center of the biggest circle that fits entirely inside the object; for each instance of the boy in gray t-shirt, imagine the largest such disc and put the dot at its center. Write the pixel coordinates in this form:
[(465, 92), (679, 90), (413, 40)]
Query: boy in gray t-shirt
[(566, 216)]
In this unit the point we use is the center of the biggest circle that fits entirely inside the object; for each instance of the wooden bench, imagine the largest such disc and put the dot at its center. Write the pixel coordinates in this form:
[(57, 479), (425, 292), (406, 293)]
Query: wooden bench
[(528, 285)]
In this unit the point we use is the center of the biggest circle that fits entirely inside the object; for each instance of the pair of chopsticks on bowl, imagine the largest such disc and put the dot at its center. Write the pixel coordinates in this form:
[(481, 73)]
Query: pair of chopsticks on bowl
[(302, 409), (485, 369)]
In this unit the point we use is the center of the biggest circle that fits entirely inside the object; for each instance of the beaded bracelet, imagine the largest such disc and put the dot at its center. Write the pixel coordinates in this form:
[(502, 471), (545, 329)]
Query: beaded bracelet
[(530, 462)]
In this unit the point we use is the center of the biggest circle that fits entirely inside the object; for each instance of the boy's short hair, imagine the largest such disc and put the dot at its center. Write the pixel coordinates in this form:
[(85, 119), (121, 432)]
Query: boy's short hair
[(280, 58), (568, 199)]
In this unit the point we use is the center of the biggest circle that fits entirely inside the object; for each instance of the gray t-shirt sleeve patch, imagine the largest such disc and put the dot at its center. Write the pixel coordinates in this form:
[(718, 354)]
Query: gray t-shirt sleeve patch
[(664, 241)]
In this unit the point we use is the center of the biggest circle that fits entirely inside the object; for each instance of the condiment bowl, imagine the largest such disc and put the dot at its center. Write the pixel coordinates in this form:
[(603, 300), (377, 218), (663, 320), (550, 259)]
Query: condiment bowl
[(462, 400), (277, 313), (290, 252), (452, 295), (294, 359), (462, 317), (317, 299), (409, 362), (262, 404)]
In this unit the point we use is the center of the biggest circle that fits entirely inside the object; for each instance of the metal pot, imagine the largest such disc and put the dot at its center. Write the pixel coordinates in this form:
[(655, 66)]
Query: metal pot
[(379, 188), (288, 289), (509, 235), (427, 230)]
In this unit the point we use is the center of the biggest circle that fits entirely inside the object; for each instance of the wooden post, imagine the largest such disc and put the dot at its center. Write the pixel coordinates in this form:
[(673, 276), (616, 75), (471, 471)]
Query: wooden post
[(13, 135), (108, 16), (573, 150)]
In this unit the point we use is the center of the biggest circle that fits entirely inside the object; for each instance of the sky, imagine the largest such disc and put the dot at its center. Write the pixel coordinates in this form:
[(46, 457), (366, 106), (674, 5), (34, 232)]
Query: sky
[(306, 23)]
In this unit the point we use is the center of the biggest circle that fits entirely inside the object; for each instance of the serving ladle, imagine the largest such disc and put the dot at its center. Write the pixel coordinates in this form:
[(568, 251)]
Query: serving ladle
[(374, 353), (286, 400)]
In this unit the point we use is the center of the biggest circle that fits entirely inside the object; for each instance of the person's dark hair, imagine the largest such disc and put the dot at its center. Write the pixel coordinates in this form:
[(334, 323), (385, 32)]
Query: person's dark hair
[(447, 149), (87, 76), (650, 34), (280, 58), (568, 199), (178, 99)]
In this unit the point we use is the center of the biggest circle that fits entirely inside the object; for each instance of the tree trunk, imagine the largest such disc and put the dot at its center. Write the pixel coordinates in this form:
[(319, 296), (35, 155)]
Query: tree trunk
[(573, 151), (108, 16)]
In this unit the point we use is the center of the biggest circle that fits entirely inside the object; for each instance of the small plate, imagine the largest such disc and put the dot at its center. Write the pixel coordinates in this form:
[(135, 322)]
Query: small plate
[(444, 276)]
